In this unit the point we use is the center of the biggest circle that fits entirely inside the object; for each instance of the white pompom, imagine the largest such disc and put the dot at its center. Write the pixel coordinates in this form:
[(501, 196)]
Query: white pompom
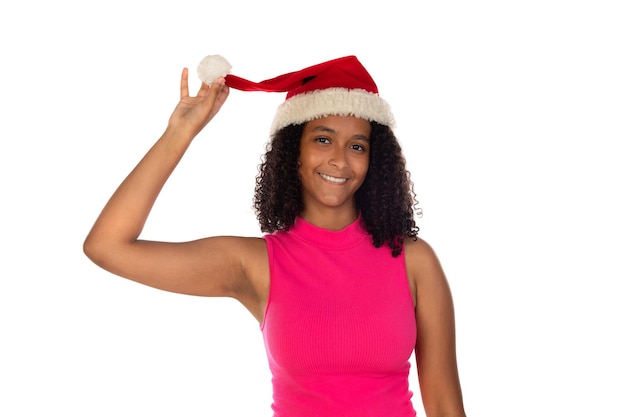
[(213, 67)]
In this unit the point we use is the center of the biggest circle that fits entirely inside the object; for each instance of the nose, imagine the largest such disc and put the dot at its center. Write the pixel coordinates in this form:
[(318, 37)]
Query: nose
[(338, 158)]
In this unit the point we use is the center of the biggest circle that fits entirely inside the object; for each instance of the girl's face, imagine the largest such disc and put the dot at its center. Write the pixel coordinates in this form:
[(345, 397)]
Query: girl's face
[(333, 163)]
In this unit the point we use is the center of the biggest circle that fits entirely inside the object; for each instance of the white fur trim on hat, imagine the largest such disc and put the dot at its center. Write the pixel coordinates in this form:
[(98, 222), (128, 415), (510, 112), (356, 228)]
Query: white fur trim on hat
[(332, 102)]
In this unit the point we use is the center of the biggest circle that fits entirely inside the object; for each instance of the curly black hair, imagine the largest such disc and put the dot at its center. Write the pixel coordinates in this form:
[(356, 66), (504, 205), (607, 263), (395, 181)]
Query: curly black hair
[(386, 198)]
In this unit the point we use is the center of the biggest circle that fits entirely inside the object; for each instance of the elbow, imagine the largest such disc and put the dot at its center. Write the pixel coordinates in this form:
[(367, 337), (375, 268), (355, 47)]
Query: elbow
[(95, 250), (105, 252), (90, 248)]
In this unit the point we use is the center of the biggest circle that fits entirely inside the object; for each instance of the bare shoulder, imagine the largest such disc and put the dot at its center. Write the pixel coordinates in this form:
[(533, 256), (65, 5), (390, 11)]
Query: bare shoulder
[(250, 253), (235, 266), (253, 255), (423, 265), (253, 291), (420, 254)]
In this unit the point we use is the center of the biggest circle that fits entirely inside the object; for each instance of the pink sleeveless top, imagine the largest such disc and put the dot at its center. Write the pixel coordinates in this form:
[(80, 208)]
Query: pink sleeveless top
[(339, 327)]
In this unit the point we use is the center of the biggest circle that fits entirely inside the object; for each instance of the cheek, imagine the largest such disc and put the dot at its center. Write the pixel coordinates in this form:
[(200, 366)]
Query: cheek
[(363, 167)]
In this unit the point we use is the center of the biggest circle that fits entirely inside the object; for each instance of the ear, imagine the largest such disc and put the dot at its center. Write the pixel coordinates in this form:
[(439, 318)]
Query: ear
[(299, 164)]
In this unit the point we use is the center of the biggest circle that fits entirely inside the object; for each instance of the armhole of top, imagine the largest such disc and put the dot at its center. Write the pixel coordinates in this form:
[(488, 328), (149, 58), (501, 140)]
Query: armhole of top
[(407, 279), (270, 259)]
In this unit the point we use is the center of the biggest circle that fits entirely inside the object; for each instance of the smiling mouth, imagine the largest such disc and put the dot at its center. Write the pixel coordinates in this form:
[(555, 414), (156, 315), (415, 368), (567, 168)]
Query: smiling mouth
[(334, 180)]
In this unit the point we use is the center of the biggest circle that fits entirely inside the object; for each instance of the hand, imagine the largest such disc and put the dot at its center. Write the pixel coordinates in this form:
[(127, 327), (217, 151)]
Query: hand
[(193, 113)]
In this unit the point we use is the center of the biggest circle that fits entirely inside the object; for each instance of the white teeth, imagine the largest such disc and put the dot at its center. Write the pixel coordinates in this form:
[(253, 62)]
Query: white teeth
[(333, 179)]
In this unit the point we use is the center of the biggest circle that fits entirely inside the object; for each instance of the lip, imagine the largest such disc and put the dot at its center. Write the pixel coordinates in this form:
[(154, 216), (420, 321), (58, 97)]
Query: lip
[(333, 180)]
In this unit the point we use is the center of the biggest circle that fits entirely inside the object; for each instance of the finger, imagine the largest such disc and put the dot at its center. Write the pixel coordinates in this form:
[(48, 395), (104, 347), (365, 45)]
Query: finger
[(208, 92), (184, 83), (216, 87), (221, 94), (204, 89)]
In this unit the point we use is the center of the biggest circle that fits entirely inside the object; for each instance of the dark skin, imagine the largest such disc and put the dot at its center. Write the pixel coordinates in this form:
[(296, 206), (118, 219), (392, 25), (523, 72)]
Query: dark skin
[(333, 163)]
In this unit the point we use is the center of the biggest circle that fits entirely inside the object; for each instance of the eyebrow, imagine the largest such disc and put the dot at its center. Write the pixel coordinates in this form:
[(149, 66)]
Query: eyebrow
[(323, 128)]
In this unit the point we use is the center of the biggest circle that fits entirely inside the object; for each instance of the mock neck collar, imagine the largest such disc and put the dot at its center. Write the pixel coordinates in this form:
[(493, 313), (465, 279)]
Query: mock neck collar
[(349, 236)]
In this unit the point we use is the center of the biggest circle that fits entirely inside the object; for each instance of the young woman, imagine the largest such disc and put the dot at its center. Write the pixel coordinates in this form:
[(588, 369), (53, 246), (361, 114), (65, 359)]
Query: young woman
[(342, 287)]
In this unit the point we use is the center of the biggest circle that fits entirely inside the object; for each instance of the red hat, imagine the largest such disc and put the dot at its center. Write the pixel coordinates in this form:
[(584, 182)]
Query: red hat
[(340, 87)]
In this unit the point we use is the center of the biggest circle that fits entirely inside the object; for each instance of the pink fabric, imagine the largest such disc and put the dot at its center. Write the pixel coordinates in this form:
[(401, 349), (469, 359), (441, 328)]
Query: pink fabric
[(339, 328)]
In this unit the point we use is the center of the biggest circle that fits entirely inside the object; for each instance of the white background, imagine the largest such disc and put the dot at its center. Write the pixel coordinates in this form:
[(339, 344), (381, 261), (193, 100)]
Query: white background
[(512, 118)]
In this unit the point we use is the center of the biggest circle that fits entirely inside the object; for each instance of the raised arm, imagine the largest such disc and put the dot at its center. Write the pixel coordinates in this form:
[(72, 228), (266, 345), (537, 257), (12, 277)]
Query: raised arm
[(435, 350), (217, 266)]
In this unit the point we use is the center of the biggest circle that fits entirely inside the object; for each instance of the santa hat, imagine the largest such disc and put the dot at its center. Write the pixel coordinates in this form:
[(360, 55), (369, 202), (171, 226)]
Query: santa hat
[(340, 87)]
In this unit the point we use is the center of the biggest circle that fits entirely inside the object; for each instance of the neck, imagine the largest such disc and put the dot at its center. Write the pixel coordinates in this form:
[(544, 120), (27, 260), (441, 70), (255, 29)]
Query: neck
[(330, 219)]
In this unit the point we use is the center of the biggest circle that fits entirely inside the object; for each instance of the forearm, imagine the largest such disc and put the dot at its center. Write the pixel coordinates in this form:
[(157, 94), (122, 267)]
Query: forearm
[(122, 219)]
